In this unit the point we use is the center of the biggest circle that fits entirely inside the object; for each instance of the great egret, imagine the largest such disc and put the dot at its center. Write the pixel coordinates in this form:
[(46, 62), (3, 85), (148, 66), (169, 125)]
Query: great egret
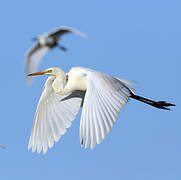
[(46, 42), (102, 97)]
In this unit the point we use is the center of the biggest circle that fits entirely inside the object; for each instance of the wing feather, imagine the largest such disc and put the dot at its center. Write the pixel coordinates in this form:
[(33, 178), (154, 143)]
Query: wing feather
[(104, 98), (53, 116), (64, 30), (33, 59)]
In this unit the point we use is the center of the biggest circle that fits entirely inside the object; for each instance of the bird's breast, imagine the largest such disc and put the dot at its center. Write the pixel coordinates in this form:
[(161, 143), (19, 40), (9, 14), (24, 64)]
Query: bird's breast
[(77, 79), (51, 42), (47, 41), (78, 83)]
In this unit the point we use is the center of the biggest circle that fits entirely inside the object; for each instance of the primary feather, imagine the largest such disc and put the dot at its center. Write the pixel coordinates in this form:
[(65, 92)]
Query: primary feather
[(53, 116)]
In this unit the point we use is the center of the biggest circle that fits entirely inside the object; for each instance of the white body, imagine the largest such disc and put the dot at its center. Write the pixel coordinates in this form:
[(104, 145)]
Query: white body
[(62, 97)]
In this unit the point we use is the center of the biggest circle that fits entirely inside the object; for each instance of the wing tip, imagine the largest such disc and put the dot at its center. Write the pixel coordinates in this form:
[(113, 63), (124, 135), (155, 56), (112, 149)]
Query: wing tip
[(71, 29)]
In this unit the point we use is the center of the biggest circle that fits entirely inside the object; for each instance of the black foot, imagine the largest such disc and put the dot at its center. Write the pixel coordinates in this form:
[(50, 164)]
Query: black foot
[(162, 105), (157, 104)]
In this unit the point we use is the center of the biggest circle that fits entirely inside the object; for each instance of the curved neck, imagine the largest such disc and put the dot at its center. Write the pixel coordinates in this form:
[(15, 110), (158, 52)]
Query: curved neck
[(59, 82)]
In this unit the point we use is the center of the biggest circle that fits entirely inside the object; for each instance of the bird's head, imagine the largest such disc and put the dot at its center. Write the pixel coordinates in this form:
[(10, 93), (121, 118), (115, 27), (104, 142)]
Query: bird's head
[(60, 77), (50, 71)]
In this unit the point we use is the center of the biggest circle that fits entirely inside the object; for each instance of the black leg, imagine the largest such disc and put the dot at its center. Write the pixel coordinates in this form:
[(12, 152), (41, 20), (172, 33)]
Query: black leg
[(157, 104)]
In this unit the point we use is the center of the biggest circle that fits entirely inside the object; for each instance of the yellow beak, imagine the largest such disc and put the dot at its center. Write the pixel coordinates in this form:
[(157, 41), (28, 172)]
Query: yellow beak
[(38, 73)]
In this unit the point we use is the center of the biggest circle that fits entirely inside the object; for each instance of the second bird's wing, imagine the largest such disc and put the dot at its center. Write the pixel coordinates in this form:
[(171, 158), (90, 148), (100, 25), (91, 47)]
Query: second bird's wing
[(104, 98), (33, 59), (64, 30), (53, 116)]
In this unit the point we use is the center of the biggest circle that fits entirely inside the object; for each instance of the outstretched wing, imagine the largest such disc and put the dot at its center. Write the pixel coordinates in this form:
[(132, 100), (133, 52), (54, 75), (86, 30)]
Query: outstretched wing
[(53, 115), (64, 30), (33, 59), (104, 98)]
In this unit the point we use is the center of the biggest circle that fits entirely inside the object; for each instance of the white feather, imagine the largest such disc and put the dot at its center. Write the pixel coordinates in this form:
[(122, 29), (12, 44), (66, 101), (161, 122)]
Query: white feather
[(33, 59), (52, 118), (105, 96)]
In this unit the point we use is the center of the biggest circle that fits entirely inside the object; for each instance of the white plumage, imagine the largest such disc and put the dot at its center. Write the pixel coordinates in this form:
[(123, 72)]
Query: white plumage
[(102, 97), (57, 108)]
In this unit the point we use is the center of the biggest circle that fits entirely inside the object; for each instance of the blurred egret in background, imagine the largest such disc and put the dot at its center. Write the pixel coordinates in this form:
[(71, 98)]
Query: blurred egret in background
[(45, 43)]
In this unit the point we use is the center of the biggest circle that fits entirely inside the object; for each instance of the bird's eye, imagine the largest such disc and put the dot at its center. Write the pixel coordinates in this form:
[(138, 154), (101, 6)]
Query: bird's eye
[(50, 71)]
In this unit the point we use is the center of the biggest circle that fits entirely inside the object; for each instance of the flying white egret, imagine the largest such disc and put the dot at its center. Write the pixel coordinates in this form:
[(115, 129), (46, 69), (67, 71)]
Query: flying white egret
[(46, 42), (101, 96)]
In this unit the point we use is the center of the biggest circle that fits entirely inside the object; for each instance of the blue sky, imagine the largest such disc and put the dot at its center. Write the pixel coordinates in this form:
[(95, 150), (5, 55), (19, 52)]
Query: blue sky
[(137, 40)]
